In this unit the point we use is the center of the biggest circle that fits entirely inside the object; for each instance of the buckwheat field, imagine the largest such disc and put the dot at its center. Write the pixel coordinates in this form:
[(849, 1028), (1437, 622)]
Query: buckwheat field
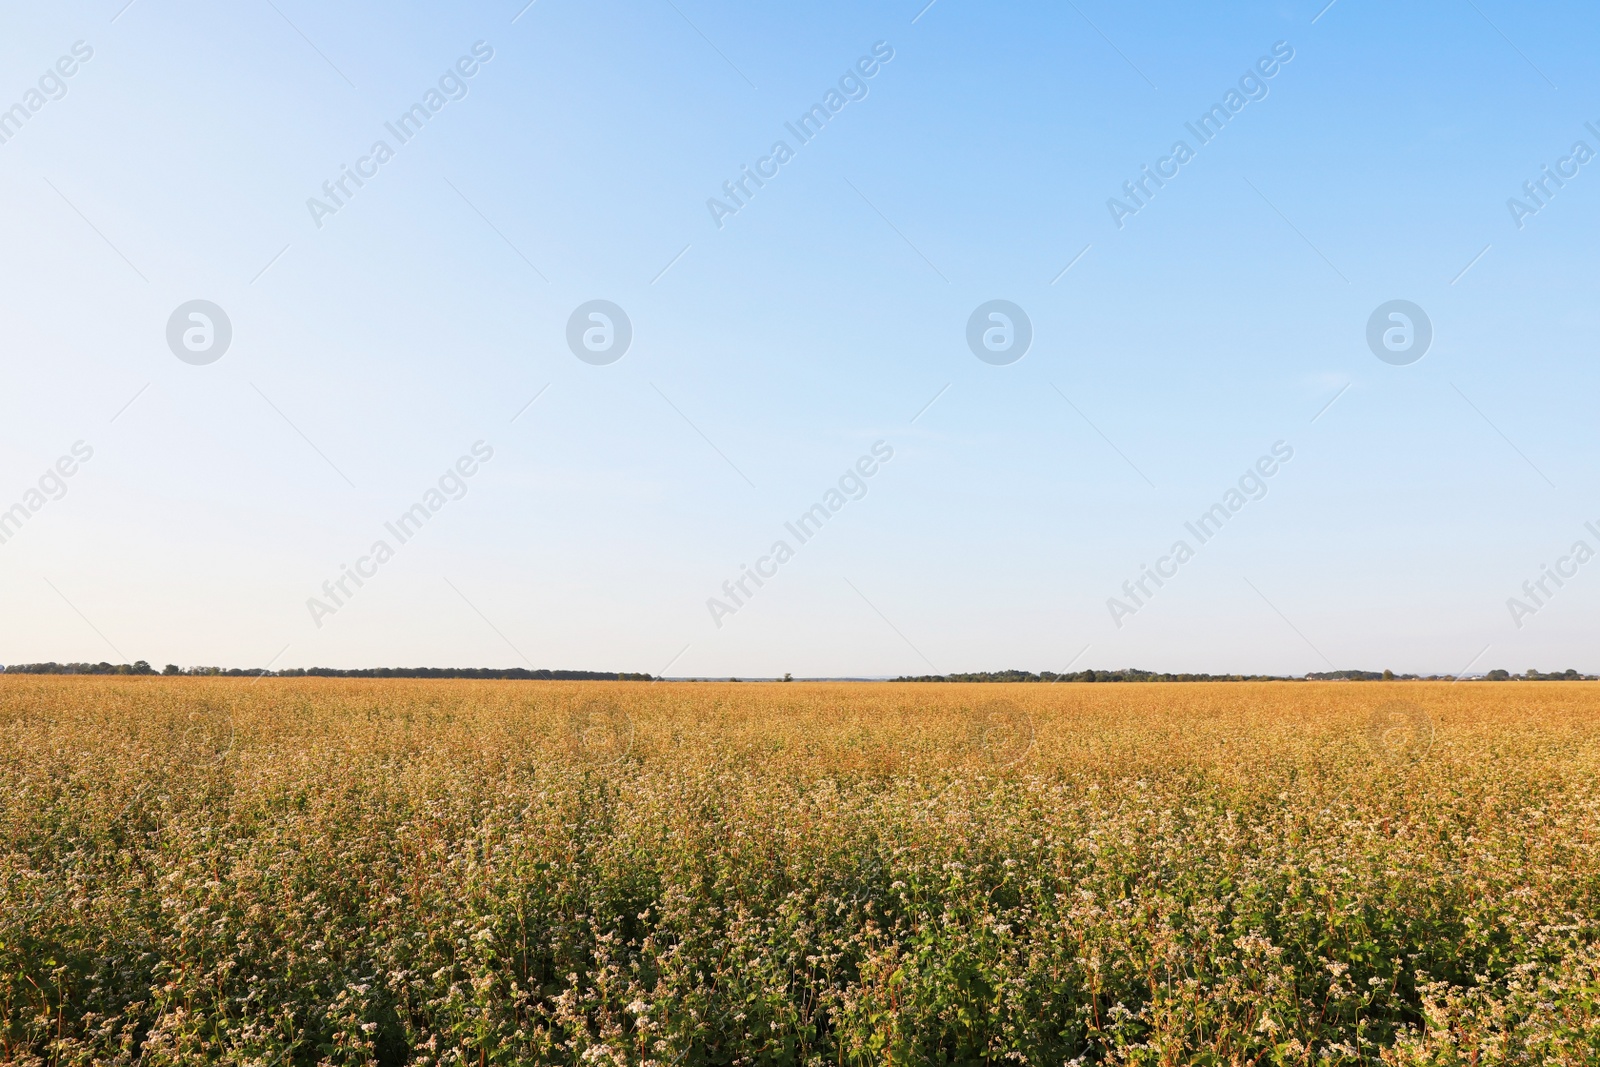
[(283, 871)]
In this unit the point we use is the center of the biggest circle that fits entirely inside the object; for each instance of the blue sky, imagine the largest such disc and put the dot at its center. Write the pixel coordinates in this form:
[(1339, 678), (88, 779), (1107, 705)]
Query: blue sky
[(373, 347)]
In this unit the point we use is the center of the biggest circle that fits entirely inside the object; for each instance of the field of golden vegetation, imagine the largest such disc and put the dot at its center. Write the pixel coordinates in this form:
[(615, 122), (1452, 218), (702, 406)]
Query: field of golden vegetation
[(344, 871)]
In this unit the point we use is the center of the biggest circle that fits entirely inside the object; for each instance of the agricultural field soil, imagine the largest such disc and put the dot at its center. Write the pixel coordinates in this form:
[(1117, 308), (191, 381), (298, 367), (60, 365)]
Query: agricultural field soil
[(301, 871)]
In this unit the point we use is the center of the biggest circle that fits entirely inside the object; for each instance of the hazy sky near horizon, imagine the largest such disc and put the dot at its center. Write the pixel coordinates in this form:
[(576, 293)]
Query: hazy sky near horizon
[(777, 334)]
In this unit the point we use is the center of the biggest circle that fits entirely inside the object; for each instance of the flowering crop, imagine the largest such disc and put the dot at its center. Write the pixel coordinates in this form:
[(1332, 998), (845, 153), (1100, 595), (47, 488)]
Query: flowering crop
[(304, 871)]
